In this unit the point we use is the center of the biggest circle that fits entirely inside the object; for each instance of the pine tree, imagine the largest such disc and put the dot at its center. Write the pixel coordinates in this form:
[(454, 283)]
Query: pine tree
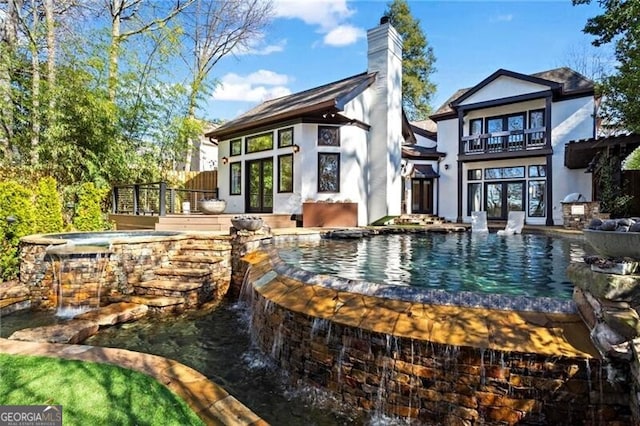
[(417, 61)]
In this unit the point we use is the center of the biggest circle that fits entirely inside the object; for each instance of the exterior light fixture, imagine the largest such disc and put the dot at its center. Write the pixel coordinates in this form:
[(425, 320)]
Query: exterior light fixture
[(446, 167), (225, 160), (295, 148)]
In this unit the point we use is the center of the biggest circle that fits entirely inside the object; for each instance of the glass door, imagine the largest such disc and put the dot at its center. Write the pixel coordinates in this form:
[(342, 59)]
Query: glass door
[(422, 196), (503, 197), (260, 186)]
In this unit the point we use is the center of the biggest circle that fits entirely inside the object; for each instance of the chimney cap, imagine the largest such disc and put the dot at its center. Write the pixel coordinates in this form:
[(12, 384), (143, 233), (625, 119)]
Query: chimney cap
[(384, 20)]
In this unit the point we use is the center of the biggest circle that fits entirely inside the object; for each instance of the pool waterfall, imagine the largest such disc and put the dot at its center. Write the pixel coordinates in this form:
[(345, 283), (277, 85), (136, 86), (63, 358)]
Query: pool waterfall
[(393, 360)]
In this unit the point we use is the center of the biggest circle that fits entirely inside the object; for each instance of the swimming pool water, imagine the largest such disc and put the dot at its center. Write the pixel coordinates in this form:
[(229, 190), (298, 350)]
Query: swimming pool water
[(523, 265)]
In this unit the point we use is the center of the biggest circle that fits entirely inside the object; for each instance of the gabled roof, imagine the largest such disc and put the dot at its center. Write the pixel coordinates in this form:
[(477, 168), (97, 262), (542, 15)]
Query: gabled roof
[(418, 152), (563, 82), (426, 128), (330, 97)]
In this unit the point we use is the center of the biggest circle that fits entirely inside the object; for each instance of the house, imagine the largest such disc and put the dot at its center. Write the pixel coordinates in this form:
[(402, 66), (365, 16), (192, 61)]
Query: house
[(340, 142), (505, 142), (497, 146)]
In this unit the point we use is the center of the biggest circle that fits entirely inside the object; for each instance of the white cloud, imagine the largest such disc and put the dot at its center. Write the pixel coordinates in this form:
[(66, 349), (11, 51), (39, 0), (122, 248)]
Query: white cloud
[(343, 35), (259, 47), (503, 18), (258, 86), (330, 16)]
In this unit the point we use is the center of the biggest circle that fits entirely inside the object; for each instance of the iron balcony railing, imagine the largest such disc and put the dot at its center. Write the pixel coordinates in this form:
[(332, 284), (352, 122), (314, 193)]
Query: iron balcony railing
[(157, 199), (507, 141)]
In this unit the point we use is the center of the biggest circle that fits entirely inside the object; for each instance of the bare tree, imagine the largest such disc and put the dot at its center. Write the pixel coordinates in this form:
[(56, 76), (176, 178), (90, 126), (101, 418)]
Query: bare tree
[(150, 19), (215, 29)]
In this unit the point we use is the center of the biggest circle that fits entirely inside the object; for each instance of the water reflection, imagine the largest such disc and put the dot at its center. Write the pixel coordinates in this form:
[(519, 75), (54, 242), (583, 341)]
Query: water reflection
[(528, 265)]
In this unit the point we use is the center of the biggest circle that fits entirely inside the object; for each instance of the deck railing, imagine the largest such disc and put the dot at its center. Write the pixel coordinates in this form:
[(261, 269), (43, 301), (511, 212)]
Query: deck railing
[(157, 199), (507, 141)]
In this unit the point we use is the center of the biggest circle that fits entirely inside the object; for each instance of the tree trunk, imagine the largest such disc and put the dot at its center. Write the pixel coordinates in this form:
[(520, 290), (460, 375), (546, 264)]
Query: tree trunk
[(35, 87), (114, 49), (52, 52), (6, 72)]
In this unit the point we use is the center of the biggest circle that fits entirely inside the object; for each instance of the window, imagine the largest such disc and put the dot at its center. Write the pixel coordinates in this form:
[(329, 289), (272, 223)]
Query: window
[(475, 126), (504, 173), (328, 136), (474, 195), (235, 178), (235, 147), (261, 142), (537, 171), (536, 119), (285, 173), (537, 189), (328, 172), (285, 137), (474, 174)]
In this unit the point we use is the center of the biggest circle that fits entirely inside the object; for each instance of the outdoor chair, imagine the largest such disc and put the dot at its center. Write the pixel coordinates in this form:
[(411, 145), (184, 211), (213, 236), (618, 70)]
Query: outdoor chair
[(515, 222), (479, 221)]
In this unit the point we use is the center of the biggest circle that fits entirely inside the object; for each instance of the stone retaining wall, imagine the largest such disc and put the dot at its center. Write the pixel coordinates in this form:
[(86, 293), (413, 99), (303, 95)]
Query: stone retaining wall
[(115, 269), (417, 377), (577, 215)]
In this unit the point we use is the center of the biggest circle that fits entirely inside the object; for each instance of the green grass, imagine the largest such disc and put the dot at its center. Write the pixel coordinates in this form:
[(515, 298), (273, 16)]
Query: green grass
[(91, 393)]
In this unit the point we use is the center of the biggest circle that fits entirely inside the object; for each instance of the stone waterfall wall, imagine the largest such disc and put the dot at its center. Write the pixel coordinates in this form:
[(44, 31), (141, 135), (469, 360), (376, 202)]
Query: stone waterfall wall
[(610, 305)]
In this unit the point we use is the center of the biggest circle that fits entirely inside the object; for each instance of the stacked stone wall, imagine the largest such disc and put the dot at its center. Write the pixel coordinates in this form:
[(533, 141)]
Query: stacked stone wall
[(587, 211), (434, 383), (114, 270)]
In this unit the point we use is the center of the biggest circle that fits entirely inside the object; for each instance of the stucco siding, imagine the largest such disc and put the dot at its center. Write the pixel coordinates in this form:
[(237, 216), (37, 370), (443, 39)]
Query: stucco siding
[(504, 87)]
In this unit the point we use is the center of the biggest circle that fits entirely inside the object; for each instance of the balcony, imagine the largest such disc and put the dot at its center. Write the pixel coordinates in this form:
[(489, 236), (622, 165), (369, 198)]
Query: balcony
[(506, 144)]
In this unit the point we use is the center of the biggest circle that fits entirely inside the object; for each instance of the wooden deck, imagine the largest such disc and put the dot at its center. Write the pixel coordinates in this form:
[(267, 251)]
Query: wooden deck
[(192, 222)]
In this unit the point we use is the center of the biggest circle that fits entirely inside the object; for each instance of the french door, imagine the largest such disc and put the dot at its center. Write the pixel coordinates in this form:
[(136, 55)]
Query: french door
[(503, 197), (260, 186), (422, 196)]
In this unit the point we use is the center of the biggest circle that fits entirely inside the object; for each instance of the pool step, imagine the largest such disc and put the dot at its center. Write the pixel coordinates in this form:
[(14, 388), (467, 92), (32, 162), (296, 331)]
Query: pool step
[(182, 274), (194, 291), (191, 261)]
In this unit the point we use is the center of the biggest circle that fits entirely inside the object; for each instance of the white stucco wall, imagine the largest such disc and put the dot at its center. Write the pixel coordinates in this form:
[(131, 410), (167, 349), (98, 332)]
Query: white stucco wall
[(570, 120), (447, 190), (503, 87), (426, 142)]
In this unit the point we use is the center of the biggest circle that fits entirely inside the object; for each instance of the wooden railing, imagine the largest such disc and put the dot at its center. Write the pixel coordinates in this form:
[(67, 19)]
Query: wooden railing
[(508, 141), (157, 199)]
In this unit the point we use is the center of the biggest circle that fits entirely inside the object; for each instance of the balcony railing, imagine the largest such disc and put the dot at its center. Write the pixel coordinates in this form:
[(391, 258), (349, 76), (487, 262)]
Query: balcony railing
[(507, 141), (156, 199)]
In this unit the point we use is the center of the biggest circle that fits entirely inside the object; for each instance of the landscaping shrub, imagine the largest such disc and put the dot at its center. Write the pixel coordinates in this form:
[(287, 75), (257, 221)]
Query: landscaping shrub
[(88, 213), (48, 207), (17, 219)]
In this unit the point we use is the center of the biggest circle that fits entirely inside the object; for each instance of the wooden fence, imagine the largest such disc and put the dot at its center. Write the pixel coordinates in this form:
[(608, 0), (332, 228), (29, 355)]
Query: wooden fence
[(207, 180)]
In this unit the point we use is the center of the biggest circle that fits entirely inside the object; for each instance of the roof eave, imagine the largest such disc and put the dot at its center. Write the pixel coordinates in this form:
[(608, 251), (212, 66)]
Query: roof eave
[(223, 133)]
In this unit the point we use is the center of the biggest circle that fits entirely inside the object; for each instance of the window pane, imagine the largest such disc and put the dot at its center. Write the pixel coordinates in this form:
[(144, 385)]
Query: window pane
[(513, 172), (494, 125), (285, 173), (475, 127), (515, 122), (328, 172), (515, 196), (493, 173), (475, 198), (474, 174), (267, 183), (236, 147), (260, 142), (536, 119), (537, 171), (285, 137), (536, 198), (494, 200), (235, 178), (328, 136)]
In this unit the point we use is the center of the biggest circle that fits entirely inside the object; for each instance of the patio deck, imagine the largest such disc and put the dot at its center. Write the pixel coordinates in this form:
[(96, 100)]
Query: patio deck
[(193, 222)]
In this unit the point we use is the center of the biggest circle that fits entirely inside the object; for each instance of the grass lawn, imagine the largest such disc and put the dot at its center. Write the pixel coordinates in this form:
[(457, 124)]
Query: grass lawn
[(91, 393)]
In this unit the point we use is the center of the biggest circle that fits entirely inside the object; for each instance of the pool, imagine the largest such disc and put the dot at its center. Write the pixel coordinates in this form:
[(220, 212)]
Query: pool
[(103, 239), (530, 265)]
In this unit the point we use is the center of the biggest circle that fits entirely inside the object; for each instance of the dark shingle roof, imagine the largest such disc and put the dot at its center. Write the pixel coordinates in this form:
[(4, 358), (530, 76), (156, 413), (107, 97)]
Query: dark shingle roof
[(329, 96), (418, 152), (572, 82)]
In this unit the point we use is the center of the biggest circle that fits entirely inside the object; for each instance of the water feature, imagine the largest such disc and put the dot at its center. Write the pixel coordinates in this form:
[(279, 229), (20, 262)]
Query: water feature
[(528, 265)]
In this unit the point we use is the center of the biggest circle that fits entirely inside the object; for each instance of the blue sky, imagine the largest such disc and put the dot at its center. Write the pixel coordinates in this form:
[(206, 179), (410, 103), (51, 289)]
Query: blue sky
[(310, 43)]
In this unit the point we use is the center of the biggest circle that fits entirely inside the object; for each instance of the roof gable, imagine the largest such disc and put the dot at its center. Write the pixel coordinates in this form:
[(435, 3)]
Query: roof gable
[(509, 79), (329, 97), (562, 81)]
